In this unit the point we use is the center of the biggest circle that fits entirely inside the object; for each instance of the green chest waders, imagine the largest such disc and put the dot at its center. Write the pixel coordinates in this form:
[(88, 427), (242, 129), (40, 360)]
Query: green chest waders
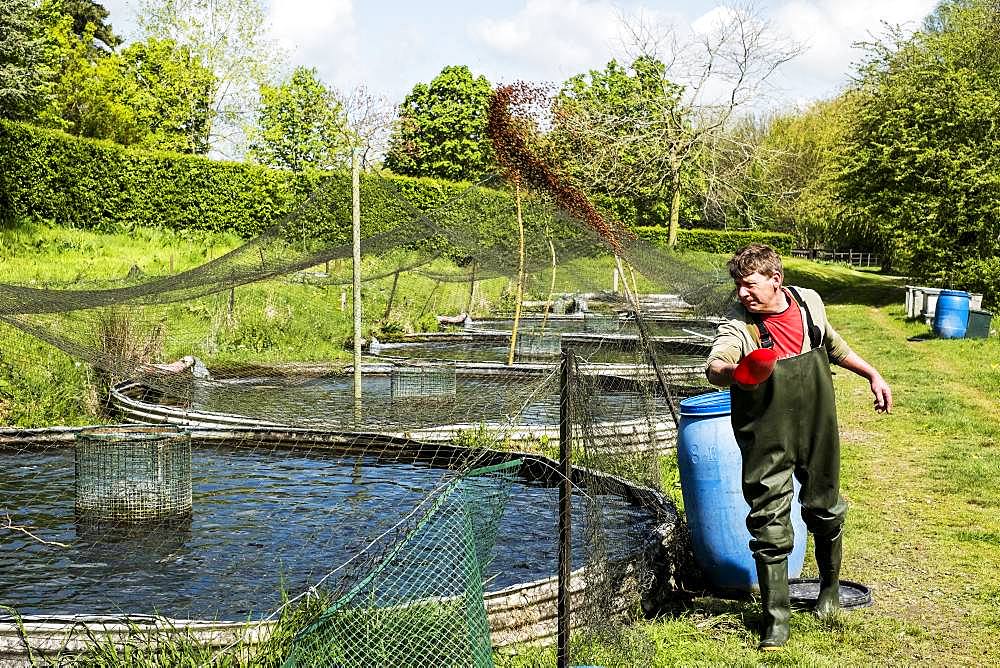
[(787, 426)]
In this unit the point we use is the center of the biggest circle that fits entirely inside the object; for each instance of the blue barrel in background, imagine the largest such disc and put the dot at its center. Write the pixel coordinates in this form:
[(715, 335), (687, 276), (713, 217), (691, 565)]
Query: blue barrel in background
[(710, 471), (951, 316)]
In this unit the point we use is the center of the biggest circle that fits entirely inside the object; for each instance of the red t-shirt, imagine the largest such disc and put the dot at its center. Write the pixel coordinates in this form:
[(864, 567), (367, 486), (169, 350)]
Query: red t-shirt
[(786, 329)]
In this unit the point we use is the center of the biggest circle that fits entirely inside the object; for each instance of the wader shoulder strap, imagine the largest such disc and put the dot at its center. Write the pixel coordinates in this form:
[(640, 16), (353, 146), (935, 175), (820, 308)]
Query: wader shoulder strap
[(815, 335), (758, 332)]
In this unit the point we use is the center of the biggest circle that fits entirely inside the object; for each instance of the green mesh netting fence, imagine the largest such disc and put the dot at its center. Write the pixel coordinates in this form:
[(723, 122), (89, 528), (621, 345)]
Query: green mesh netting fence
[(421, 602)]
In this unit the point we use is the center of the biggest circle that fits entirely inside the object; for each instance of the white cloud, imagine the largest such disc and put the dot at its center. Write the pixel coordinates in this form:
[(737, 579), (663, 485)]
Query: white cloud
[(829, 29), (550, 39), (317, 33)]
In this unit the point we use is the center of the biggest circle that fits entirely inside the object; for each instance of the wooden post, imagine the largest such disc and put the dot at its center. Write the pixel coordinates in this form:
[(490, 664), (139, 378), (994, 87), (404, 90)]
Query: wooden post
[(356, 229), (566, 383)]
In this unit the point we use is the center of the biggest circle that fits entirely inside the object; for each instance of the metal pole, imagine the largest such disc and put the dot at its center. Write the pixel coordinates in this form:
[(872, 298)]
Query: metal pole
[(566, 382), (356, 225)]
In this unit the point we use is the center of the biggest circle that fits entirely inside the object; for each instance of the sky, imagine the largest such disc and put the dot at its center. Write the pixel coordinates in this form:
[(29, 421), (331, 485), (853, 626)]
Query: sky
[(389, 45)]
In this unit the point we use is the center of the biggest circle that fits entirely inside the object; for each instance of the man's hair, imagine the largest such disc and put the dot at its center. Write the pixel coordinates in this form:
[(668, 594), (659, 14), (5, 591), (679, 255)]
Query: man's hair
[(754, 258)]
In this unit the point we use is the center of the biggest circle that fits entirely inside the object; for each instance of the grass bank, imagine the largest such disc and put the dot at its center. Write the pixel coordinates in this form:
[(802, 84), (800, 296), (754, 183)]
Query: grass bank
[(302, 318)]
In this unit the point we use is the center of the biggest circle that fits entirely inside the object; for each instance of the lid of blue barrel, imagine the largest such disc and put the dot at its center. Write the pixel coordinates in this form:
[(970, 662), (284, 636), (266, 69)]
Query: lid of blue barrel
[(954, 293), (712, 403)]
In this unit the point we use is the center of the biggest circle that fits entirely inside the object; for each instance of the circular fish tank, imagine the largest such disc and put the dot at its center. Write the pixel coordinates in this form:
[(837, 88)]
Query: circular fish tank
[(265, 521), (536, 347), (475, 399), (601, 323)]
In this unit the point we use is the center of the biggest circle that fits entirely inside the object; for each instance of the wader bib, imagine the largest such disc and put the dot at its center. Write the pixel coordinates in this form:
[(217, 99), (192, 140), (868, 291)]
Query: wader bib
[(787, 426)]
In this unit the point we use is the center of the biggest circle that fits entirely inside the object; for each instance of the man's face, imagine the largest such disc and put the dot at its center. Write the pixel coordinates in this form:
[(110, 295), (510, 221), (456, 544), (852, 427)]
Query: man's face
[(759, 293)]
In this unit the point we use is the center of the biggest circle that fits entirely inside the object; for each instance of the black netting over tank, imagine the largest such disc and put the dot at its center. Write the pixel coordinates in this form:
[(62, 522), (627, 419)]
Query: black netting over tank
[(377, 521)]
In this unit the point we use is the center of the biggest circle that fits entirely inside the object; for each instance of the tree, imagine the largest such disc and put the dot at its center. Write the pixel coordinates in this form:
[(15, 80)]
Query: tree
[(613, 106), (790, 168), (227, 37), (300, 124), (370, 119), (88, 12), (441, 130), (920, 174), (155, 94), (23, 72), (71, 29), (692, 89)]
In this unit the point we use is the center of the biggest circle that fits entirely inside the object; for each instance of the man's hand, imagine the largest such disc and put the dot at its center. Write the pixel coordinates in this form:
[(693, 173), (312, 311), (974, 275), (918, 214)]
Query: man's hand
[(720, 374), (883, 395), (880, 388)]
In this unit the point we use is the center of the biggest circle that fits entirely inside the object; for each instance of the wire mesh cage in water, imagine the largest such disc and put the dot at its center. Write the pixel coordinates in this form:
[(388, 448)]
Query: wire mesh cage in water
[(537, 346), (422, 382), (133, 475)]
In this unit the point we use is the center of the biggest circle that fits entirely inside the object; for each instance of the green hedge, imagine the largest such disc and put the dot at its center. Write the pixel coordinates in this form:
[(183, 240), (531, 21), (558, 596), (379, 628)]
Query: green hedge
[(98, 185), (718, 241)]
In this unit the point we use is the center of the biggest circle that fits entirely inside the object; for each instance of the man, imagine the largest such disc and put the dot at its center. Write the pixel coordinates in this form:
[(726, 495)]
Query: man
[(787, 424)]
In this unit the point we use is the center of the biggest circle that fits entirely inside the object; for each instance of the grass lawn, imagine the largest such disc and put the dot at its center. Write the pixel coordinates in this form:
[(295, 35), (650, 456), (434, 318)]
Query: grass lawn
[(924, 525)]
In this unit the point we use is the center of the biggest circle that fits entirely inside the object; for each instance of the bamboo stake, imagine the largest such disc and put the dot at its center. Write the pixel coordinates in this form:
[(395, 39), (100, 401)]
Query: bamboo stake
[(647, 341), (552, 285), (392, 294), (356, 239), (472, 289), (520, 276)]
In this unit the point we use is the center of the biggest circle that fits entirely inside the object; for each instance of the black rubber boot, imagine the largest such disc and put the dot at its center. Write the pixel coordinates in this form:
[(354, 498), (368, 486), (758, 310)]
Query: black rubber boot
[(829, 551), (773, 579)]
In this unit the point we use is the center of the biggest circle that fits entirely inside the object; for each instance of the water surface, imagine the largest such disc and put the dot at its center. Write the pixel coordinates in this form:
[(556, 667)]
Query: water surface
[(263, 521)]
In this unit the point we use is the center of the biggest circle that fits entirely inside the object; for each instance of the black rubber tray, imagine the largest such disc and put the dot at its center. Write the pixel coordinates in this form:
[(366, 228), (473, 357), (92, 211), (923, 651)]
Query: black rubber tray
[(804, 591)]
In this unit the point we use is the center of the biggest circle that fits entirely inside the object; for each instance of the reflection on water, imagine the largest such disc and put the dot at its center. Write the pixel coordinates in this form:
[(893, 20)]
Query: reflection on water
[(262, 521)]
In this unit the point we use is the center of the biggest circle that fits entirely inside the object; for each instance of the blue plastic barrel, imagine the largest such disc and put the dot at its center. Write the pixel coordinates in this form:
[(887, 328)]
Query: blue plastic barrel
[(951, 316), (710, 470)]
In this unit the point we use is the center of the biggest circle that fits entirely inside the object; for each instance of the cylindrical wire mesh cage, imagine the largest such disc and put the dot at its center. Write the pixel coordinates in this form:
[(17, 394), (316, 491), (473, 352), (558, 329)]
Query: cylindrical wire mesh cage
[(133, 475), (423, 382), (537, 346)]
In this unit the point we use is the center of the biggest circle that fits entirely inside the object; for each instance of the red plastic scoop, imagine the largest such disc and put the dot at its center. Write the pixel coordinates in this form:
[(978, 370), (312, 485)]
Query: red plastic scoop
[(756, 367)]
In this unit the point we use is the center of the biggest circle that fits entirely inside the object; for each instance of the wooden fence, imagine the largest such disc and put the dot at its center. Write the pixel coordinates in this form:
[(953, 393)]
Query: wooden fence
[(851, 257)]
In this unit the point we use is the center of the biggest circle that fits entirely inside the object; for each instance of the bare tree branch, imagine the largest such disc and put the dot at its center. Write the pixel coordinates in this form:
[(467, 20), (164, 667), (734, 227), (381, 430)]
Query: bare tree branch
[(13, 527), (708, 77), (369, 122)]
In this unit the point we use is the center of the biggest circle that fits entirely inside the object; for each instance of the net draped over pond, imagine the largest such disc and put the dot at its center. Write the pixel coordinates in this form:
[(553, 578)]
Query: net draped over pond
[(355, 526), (264, 524)]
